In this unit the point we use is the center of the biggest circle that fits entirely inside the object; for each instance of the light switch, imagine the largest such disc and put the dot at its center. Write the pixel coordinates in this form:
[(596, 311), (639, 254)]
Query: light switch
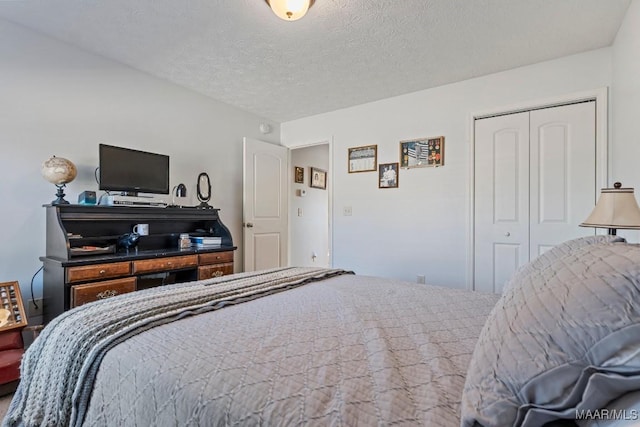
[(299, 211)]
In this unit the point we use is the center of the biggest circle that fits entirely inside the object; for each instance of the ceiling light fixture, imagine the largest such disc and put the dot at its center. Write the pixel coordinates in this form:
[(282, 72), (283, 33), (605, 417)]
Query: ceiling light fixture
[(290, 10)]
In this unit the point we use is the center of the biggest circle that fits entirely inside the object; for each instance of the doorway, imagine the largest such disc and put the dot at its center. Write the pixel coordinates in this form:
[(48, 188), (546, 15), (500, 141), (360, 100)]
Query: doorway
[(309, 207)]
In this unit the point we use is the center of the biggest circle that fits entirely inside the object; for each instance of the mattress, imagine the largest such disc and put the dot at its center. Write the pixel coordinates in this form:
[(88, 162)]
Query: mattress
[(349, 350)]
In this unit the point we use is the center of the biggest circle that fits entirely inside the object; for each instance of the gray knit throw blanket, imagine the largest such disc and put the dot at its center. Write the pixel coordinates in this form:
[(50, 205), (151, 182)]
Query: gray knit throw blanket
[(59, 368)]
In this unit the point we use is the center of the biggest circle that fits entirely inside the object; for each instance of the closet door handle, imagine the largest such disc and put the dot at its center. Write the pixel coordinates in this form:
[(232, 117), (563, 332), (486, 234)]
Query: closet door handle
[(249, 225)]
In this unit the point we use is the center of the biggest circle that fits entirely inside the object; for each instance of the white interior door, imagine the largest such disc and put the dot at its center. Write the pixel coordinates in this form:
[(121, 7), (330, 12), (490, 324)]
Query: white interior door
[(535, 181), (563, 173), (501, 241), (265, 221)]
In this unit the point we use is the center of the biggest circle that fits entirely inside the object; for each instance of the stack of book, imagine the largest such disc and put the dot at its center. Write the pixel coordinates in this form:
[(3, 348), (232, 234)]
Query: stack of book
[(206, 242)]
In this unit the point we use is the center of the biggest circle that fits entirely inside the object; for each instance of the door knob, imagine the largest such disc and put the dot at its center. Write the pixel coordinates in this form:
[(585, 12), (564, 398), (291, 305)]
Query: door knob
[(507, 234), (249, 225)]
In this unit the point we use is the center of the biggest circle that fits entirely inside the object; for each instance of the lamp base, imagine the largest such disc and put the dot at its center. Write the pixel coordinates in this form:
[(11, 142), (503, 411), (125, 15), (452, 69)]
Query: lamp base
[(204, 205), (60, 194)]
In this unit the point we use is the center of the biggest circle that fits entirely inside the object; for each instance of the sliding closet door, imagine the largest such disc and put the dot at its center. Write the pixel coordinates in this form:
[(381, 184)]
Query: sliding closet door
[(535, 181), (501, 198), (563, 173)]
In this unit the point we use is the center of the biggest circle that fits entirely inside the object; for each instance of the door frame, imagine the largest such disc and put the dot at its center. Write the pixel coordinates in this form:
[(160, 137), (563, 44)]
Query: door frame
[(330, 180), (600, 96)]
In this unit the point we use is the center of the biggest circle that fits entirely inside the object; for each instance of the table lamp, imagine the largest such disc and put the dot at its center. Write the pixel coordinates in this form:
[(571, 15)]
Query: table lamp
[(616, 209)]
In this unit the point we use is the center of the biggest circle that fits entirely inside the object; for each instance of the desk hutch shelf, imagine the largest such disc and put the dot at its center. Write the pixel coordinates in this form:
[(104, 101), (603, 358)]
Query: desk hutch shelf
[(84, 263)]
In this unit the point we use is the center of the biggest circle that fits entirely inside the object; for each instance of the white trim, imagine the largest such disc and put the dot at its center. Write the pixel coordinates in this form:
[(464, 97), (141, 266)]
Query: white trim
[(330, 190), (600, 96)]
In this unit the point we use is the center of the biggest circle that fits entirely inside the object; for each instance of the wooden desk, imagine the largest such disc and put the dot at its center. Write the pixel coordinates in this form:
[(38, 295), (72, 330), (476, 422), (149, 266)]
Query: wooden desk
[(74, 277)]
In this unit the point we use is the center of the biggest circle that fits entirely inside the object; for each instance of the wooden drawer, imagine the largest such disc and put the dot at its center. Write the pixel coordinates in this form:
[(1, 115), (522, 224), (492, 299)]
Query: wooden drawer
[(82, 294), (164, 264), (214, 270), (98, 271), (215, 258)]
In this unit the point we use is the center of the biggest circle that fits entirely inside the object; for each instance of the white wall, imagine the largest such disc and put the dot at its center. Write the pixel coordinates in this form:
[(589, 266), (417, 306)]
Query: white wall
[(625, 100), (625, 108), (309, 233), (56, 99), (422, 227), (59, 100)]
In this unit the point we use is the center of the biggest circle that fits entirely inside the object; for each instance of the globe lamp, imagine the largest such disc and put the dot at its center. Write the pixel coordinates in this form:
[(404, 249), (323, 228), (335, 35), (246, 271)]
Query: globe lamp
[(59, 171)]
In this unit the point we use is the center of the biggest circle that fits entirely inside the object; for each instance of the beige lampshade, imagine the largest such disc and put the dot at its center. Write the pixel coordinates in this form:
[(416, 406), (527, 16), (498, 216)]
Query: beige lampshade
[(616, 208), (290, 10)]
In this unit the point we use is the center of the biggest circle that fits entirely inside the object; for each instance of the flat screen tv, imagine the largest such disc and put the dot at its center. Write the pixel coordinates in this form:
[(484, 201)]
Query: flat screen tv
[(132, 171)]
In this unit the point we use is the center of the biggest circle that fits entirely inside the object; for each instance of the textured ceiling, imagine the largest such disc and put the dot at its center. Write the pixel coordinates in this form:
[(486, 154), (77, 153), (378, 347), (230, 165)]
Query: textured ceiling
[(343, 53)]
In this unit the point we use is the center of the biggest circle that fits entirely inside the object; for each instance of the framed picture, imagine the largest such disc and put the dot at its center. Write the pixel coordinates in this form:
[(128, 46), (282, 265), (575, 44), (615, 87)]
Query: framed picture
[(318, 178), (363, 159), (298, 175), (388, 175), (419, 153)]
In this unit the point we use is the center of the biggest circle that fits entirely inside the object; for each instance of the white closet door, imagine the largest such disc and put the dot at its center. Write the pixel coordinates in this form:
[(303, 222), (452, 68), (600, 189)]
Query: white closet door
[(501, 199), (535, 181), (563, 173)]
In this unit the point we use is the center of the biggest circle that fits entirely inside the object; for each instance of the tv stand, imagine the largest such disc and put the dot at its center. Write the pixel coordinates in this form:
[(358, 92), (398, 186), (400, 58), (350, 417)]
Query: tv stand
[(83, 262)]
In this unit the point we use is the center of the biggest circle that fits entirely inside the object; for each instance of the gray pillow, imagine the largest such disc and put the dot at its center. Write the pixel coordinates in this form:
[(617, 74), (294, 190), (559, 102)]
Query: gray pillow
[(564, 338), (545, 259)]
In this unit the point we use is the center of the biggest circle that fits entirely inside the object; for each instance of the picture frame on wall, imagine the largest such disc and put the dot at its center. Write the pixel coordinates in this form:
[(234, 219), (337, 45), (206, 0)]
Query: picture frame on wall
[(363, 159), (318, 178), (388, 175), (298, 175), (420, 153)]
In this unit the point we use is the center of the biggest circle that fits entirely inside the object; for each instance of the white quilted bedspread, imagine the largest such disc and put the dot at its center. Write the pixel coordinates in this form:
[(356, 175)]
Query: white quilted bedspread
[(348, 351)]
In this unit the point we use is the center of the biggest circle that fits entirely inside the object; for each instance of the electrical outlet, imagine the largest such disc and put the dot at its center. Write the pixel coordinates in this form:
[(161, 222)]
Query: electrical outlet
[(33, 311), (347, 211)]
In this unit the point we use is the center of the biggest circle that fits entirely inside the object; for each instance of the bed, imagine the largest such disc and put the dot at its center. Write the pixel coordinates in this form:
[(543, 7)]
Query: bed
[(300, 346)]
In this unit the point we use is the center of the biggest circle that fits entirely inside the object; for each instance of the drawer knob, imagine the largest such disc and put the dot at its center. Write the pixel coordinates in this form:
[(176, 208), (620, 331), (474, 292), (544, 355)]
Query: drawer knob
[(107, 294), (218, 257), (102, 271)]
